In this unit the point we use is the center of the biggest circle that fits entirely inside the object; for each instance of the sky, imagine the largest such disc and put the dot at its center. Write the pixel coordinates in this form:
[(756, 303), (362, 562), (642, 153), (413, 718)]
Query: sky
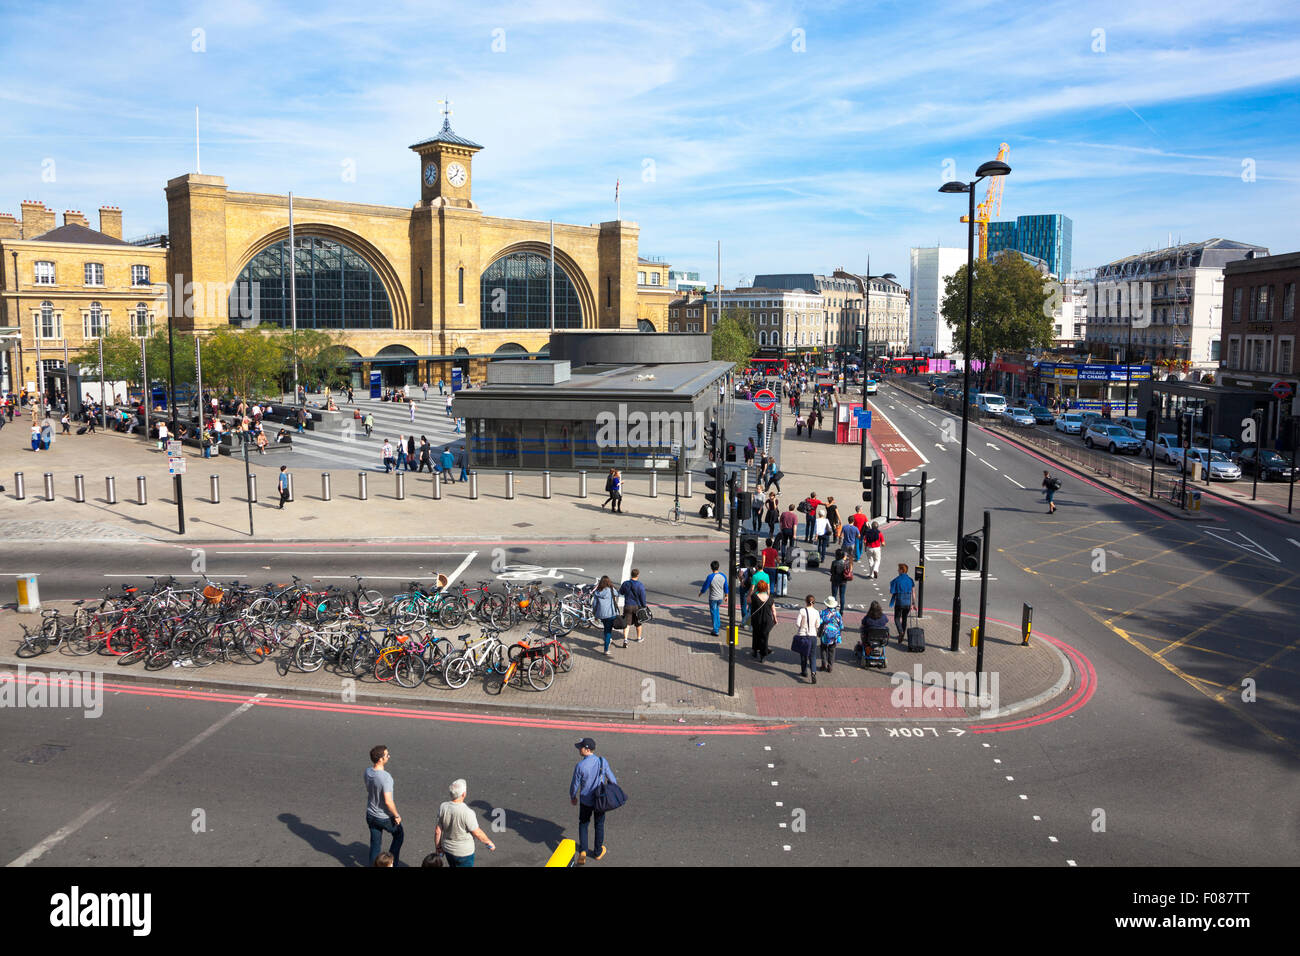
[(803, 136)]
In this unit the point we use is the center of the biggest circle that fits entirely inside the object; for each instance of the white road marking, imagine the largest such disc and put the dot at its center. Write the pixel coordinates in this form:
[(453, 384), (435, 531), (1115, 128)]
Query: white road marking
[(1254, 547), (924, 460), (931, 504), (627, 562), (416, 554), (168, 574), (940, 447), (1294, 541), (993, 446), (1013, 481), (61, 834), (460, 569), (989, 463)]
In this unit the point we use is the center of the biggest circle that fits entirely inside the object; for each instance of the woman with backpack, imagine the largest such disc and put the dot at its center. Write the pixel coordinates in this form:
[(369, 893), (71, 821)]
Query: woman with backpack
[(805, 637), (1050, 487), (829, 632), (762, 619), (604, 605)]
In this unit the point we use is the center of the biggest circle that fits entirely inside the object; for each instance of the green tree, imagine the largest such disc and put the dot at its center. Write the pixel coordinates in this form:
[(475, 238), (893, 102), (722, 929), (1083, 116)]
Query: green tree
[(1007, 311), (319, 355), (243, 363), (733, 337), (121, 358), (157, 353)]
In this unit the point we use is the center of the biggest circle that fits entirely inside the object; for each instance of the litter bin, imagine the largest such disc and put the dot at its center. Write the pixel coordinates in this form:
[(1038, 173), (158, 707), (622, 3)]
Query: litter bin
[(29, 595), (1192, 501)]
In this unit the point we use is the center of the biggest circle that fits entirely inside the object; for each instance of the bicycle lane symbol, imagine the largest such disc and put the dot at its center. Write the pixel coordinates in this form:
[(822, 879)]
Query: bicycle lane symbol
[(535, 572)]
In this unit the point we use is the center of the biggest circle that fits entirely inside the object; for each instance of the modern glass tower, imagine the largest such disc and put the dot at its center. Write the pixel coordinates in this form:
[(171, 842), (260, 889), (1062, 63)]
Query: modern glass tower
[(1047, 237)]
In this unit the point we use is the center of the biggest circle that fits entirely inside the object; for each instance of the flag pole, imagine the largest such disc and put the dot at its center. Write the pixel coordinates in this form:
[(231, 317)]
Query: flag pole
[(552, 275)]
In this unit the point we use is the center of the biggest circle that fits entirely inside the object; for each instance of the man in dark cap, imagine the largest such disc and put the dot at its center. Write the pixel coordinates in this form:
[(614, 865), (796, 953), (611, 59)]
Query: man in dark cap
[(587, 777)]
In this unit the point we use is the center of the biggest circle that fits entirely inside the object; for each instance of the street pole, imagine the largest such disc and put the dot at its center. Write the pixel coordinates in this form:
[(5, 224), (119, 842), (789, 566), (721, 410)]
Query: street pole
[(171, 375), (866, 334), (198, 380), (734, 571), (1128, 361), (920, 561), (248, 482), (1295, 440), (180, 503), (984, 594), (965, 418), (146, 393), (1259, 427), (14, 378), (293, 305), (102, 407)]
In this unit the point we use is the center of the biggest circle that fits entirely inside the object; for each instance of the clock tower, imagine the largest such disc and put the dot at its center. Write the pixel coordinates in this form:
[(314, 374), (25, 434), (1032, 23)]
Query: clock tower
[(446, 165)]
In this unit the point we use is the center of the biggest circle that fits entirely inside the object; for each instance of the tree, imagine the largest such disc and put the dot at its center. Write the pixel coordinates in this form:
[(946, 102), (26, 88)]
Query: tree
[(242, 363), (1007, 309), (121, 358), (319, 354), (733, 337)]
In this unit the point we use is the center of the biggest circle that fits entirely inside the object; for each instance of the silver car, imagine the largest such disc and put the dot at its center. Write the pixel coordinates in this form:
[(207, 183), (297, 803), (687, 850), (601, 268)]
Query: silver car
[(1114, 438), (1019, 416)]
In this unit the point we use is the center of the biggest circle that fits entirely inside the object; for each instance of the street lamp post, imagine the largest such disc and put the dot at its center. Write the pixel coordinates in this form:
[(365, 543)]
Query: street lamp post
[(866, 337), (991, 168)]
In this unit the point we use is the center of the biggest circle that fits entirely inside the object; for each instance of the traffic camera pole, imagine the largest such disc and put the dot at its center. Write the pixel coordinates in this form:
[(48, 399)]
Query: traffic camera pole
[(734, 573)]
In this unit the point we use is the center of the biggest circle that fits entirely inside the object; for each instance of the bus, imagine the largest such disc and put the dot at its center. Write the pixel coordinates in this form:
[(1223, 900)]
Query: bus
[(768, 366), (904, 364)]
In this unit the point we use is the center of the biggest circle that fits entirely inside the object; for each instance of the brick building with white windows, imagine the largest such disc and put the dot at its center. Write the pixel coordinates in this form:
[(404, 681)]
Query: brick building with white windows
[(1259, 330)]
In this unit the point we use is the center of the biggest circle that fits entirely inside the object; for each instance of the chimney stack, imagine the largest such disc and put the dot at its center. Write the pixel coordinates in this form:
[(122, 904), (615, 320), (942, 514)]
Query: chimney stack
[(73, 217), (37, 220), (9, 228), (110, 221)]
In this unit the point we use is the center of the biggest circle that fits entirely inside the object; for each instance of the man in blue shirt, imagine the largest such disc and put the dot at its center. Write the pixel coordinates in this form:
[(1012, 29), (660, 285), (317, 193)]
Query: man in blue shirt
[(582, 789), (633, 592), (715, 586), (448, 462), (900, 599)]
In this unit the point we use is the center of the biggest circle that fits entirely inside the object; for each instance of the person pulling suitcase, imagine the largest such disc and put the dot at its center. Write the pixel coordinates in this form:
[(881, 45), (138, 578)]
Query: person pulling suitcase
[(900, 599)]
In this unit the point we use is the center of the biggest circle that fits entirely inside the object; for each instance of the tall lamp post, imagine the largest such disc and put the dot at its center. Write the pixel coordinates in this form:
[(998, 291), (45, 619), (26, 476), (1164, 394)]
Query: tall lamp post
[(991, 168), (866, 337)]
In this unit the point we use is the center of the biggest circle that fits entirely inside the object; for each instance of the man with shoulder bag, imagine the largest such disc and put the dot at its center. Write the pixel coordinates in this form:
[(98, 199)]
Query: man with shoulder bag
[(595, 788), (636, 611)]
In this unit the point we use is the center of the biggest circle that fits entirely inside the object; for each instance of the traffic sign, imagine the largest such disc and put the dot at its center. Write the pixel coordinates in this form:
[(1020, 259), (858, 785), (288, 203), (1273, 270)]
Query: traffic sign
[(765, 400), (863, 416), (174, 449), (1282, 390), (175, 466)]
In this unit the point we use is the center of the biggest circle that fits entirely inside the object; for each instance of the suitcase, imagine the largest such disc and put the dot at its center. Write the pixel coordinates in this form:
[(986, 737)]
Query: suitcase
[(916, 639), (812, 560), (82, 429)]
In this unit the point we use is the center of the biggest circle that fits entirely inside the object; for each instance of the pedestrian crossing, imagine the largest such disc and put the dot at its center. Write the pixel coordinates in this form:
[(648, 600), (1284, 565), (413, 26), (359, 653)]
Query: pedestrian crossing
[(344, 444)]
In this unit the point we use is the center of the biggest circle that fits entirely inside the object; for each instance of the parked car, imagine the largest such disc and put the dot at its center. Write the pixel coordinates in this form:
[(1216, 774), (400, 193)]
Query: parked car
[(1114, 438), (1019, 416), (1138, 426), (1220, 465), (1272, 466), (871, 386), (1229, 447), (1071, 423), (1166, 445), (990, 403), (1042, 415), (1091, 417), (936, 381)]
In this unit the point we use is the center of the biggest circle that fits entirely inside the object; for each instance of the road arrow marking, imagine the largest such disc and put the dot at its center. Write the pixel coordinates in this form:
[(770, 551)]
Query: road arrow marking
[(1252, 547), (940, 447), (993, 446), (954, 730)]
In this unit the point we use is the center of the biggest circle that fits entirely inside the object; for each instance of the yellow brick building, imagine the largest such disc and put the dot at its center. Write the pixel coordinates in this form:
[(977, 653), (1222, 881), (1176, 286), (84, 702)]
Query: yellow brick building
[(653, 295), (62, 286), (413, 291)]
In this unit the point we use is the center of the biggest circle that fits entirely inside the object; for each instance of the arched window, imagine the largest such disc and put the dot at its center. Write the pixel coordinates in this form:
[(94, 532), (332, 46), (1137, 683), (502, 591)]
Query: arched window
[(514, 293), (140, 321), (335, 287), (762, 339), (94, 322), (50, 324)]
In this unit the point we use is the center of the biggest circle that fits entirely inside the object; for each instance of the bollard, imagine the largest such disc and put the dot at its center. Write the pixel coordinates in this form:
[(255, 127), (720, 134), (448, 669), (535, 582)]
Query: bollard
[(510, 484), (975, 635), (744, 480), (29, 595), (252, 488), (49, 486), (110, 489), (363, 492), (401, 486), (654, 484), (689, 493), (473, 485), (20, 488), (582, 483), (290, 474), (214, 489), (325, 493), (140, 496), (437, 486), (1026, 623), (79, 487), (546, 484)]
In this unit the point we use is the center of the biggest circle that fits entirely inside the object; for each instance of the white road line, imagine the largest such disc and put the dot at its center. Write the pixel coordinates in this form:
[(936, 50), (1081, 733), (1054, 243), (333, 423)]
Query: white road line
[(168, 574), (368, 577), (627, 562), (416, 554), (460, 569), (989, 463), (61, 834), (1013, 481), (1294, 541), (931, 504)]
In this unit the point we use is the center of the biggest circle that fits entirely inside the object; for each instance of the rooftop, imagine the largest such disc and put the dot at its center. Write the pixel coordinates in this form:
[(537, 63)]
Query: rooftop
[(445, 135), (79, 234)]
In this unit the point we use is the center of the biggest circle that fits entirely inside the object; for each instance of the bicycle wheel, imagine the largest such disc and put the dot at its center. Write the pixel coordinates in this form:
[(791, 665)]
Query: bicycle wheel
[(498, 660), (254, 641), (137, 652), (409, 670), (369, 602), (386, 663), (435, 655), (158, 659), (330, 609), (364, 654), (264, 609), (457, 671), (206, 649), (409, 613), (451, 614), (34, 644), (309, 655), (563, 659), (541, 674), (676, 515), (495, 682)]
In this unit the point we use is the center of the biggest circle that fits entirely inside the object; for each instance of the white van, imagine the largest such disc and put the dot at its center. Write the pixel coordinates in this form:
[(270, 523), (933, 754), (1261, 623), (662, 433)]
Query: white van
[(990, 403)]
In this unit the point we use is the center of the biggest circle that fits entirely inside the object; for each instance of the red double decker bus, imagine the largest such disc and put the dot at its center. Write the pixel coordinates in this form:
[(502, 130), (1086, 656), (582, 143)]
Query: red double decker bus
[(904, 364), (768, 366)]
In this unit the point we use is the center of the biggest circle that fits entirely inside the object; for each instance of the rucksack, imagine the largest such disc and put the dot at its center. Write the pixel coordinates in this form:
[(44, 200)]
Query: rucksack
[(1055, 484), (803, 508)]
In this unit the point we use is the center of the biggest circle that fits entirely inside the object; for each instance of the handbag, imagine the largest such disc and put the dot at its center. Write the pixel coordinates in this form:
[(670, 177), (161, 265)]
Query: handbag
[(643, 615), (608, 795)]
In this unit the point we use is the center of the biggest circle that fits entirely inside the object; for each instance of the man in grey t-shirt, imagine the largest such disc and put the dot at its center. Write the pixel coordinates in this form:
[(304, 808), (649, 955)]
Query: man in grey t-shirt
[(381, 813), (457, 828)]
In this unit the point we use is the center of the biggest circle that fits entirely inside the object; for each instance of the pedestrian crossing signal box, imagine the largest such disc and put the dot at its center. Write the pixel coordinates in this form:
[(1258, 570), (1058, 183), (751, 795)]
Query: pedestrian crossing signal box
[(905, 502), (731, 451), (971, 546)]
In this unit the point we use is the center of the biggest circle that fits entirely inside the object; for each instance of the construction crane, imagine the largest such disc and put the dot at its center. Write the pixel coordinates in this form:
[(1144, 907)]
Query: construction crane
[(991, 206)]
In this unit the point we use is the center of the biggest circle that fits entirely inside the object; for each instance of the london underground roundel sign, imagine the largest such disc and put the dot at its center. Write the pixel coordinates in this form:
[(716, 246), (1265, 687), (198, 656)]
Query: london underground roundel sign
[(765, 400)]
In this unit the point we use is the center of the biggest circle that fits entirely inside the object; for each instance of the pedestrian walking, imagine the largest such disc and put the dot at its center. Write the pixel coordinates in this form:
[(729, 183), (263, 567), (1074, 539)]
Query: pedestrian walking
[(805, 637), (381, 813), (851, 541), (411, 405), (617, 493), (634, 606), (425, 387), (743, 586), (859, 521), (822, 529), (590, 773), (401, 452), (762, 619), (750, 451), (609, 489), (833, 516), (604, 606), (66, 422), (450, 398), (458, 827), (900, 599), (809, 508), (283, 483), (789, 524), (716, 587), (841, 575), (456, 423), (448, 463), (772, 514), (410, 451), (781, 577), (829, 630), (426, 456), (464, 464), (368, 423), (874, 541), (390, 462), (442, 390), (1051, 486)]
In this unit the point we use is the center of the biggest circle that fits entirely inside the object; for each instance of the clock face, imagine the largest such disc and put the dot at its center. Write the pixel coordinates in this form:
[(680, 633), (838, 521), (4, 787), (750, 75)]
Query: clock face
[(430, 174), (456, 174)]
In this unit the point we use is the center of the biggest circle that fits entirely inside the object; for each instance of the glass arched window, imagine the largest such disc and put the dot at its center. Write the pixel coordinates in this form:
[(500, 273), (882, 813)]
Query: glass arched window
[(140, 321), (50, 324), (762, 339), (514, 293), (336, 288), (94, 322)]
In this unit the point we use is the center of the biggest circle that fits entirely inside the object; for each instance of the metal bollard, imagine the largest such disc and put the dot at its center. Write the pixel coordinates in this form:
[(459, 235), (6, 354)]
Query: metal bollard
[(325, 492), (401, 486), (252, 488), (437, 486), (214, 489), (473, 485), (546, 484), (290, 474), (654, 484), (49, 486), (79, 487), (688, 493), (510, 484), (582, 483), (110, 489), (1026, 624), (20, 488), (363, 492), (140, 495)]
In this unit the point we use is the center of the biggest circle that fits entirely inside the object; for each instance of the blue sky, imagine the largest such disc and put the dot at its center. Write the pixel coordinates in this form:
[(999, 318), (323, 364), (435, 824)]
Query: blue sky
[(805, 136)]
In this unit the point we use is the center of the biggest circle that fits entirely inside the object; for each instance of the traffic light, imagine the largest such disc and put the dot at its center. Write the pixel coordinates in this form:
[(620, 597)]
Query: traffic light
[(1207, 424), (1185, 431), (971, 547), (711, 439), (1153, 425), (750, 551), (731, 451), (744, 501), (877, 488), (715, 482), (905, 502)]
